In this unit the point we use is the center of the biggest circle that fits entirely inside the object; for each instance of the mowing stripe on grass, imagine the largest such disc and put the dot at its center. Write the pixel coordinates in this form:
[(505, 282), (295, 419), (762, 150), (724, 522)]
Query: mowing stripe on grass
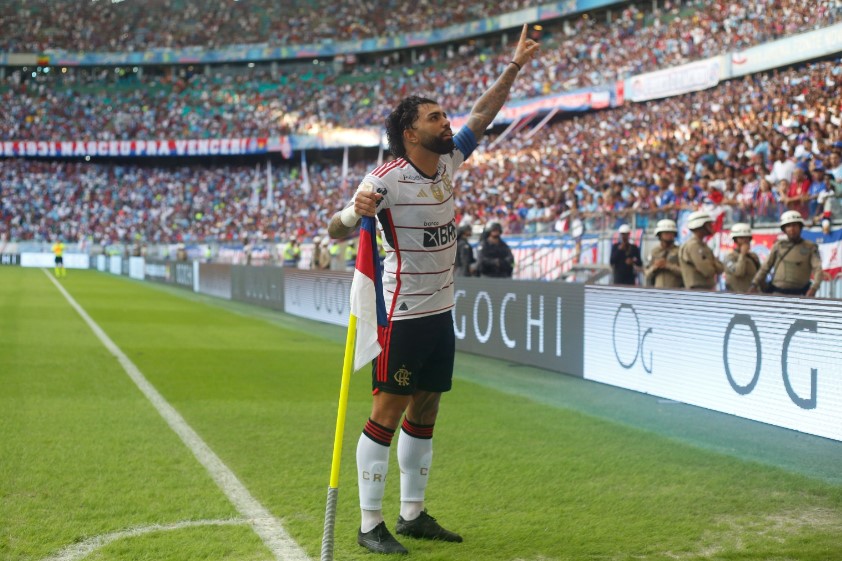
[(79, 551), (264, 524)]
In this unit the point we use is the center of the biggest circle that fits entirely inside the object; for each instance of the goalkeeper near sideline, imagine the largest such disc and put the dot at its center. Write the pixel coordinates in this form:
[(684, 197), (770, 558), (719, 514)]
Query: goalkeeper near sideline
[(412, 198)]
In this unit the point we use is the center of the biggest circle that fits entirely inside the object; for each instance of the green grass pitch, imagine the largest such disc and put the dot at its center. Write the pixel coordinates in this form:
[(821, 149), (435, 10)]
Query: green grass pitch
[(529, 465)]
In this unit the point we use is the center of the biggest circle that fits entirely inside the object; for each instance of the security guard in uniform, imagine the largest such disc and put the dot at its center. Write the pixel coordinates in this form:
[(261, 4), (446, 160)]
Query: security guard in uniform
[(464, 266), (699, 266), (324, 254), (625, 258), (317, 252), (291, 253), (741, 264), (333, 253), (350, 255), (664, 270), (794, 260)]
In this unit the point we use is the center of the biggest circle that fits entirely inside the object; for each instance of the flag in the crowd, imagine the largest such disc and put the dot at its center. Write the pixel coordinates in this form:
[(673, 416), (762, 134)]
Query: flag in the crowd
[(830, 249), (367, 303), (270, 186), (345, 171), (305, 176)]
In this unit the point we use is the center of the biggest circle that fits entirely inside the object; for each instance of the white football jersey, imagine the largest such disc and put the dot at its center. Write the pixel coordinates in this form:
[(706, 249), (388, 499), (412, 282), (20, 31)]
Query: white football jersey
[(417, 222)]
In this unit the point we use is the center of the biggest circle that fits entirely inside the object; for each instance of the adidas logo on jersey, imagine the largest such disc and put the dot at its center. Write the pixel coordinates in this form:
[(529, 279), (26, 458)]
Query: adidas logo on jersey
[(403, 307), (422, 193)]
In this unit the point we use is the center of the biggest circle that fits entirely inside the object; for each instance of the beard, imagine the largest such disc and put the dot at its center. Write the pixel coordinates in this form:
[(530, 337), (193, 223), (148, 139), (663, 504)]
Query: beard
[(439, 145)]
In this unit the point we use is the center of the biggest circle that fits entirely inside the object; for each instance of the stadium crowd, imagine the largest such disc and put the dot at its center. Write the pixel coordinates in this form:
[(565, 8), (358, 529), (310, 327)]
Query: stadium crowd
[(582, 51), (104, 203), (128, 26), (745, 151), (135, 25)]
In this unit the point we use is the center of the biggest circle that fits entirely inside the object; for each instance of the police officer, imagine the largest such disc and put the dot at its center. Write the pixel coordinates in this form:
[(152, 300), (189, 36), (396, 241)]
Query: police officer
[(317, 253), (741, 264), (464, 265), (794, 260), (625, 258), (495, 256), (699, 266), (664, 270), (324, 254)]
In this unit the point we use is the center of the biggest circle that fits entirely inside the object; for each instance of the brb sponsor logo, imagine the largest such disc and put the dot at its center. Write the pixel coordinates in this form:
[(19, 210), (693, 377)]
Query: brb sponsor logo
[(437, 236)]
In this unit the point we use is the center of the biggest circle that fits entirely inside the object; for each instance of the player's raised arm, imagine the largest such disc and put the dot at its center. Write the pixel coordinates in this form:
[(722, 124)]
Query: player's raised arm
[(487, 107)]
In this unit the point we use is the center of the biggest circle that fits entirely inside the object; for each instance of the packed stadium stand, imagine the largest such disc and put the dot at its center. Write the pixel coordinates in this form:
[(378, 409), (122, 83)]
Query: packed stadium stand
[(746, 148), (133, 25), (138, 103)]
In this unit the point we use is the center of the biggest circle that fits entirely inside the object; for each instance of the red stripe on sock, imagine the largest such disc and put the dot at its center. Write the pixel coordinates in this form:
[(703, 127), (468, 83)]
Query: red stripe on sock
[(378, 433), (417, 431)]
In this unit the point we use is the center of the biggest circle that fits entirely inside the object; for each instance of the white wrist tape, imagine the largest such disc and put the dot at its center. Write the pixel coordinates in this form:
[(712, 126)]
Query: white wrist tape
[(349, 217)]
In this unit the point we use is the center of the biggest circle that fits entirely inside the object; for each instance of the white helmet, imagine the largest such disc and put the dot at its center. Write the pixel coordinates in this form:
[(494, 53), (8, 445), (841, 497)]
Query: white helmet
[(624, 229), (666, 225), (698, 219), (791, 217), (740, 230)]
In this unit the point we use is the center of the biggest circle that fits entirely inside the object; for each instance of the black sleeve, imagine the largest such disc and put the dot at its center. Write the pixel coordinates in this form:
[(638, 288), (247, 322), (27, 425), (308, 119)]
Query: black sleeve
[(507, 262), (482, 260), (487, 262)]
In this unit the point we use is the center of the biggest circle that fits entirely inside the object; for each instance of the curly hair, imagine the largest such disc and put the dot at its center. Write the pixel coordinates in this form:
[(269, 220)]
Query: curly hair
[(402, 118)]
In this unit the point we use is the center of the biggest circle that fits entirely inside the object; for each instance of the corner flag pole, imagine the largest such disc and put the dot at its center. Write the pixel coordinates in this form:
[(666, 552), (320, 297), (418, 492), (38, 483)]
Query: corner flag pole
[(333, 488)]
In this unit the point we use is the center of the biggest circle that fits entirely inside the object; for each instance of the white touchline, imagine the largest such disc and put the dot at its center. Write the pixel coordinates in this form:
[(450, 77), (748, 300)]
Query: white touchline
[(264, 524), (79, 551)]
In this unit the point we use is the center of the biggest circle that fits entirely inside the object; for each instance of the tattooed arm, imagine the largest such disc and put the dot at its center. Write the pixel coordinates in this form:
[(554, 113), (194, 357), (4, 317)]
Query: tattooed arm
[(487, 107)]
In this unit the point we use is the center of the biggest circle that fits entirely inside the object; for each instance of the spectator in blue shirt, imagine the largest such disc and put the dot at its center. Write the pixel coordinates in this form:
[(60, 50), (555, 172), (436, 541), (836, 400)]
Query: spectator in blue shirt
[(817, 186)]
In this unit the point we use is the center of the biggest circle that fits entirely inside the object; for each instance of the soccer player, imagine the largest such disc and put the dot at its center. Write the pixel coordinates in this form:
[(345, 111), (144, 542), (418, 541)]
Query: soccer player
[(58, 250), (412, 197)]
